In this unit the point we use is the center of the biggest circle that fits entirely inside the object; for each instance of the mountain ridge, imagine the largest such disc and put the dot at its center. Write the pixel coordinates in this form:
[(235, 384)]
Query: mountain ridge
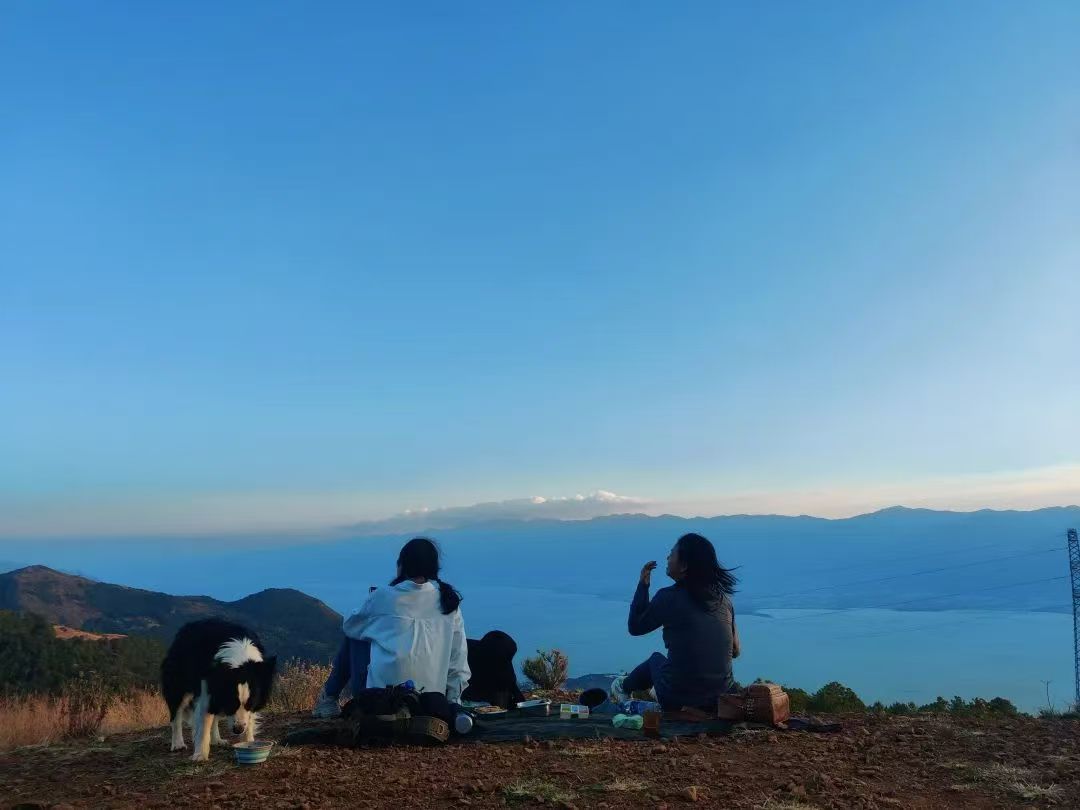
[(290, 623)]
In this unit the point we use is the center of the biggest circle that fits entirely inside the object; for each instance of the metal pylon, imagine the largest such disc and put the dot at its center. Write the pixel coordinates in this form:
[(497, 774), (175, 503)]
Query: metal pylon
[(1074, 572)]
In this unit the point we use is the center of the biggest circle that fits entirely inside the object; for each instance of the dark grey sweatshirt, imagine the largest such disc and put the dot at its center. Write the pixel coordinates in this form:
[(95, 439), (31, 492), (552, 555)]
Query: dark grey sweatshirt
[(698, 640)]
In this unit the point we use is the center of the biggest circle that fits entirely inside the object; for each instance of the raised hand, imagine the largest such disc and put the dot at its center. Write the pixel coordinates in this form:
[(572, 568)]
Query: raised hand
[(646, 572)]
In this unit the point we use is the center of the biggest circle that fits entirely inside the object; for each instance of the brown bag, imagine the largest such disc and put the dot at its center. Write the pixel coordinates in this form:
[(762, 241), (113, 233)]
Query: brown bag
[(758, 703)]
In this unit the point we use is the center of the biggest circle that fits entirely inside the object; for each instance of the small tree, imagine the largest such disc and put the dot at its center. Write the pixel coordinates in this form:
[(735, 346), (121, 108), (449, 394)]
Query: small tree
[(835, 698), (547, 670)]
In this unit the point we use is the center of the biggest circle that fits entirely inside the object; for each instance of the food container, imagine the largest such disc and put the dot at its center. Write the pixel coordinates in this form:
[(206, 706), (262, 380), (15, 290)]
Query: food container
[(572, 711), (534, 708), (651, 723), (252, 753), (487, 712)]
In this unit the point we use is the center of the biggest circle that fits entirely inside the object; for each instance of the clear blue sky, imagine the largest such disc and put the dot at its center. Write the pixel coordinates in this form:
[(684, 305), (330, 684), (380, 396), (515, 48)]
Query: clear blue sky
[(429, 254)]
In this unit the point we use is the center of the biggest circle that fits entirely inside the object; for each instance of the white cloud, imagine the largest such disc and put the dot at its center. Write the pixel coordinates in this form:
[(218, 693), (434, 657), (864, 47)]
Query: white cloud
[(537, 507), (324, 514)]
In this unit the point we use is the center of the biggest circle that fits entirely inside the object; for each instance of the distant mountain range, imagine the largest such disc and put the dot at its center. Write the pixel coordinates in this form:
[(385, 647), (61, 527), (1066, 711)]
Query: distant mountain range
[(291, 624), (897, 558)]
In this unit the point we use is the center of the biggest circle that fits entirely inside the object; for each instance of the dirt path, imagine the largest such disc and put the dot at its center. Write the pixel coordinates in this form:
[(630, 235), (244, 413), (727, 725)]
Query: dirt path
[(873, 763)]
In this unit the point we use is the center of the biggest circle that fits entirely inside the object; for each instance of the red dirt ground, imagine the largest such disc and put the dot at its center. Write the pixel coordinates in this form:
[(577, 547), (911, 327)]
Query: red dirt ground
[(876, 762)]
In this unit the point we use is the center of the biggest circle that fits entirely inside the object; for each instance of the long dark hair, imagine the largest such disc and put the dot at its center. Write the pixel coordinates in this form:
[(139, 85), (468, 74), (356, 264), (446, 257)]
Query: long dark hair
[(420, 558), (706, 580)]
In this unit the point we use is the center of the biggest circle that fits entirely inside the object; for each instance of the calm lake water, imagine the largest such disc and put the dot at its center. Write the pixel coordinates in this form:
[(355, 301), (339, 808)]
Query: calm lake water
[(883, 655)]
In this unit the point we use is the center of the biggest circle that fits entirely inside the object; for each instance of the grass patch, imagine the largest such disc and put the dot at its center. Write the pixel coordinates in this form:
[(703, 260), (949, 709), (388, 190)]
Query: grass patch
[(1033, 792), (999, 774), (538, 790), (1016, 782), (37, 720), (208, 769), (619, 785)]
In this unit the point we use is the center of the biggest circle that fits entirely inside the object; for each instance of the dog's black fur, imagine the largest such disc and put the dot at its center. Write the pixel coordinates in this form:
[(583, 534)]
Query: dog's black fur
[(192, 659)]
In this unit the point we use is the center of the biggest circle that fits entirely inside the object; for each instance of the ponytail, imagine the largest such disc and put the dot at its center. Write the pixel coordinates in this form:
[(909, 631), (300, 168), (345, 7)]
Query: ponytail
[(420, 558), (449, 598)]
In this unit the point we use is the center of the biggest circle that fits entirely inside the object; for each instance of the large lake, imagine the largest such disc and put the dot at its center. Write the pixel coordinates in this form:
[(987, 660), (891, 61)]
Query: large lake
[(883, 655)]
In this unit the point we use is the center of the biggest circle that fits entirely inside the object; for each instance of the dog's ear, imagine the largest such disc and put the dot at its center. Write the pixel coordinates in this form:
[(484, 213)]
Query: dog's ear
[(261, 682)]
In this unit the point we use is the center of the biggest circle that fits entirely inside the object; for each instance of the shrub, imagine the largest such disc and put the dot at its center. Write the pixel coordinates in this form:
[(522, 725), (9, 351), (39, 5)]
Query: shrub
[(799, 698), (85, 702), (297, 686), (547, 670), (835, 698)]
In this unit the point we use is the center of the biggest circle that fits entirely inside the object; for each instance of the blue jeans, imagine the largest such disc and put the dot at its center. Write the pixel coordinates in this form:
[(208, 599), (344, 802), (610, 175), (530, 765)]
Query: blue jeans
[(651, 673), (350, 667)]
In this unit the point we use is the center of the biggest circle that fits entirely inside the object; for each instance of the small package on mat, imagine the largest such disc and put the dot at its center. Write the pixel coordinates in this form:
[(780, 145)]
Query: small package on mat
[(571, 711)]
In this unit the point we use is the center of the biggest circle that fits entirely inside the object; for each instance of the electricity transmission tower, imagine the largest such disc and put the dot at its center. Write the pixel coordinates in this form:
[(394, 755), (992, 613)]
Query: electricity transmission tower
[(1074, 571)]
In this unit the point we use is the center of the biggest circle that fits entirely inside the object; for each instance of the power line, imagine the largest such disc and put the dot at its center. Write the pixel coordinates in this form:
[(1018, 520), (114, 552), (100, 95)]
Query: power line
[(920, 599), (913, 557), (922, 627), (910, 574)]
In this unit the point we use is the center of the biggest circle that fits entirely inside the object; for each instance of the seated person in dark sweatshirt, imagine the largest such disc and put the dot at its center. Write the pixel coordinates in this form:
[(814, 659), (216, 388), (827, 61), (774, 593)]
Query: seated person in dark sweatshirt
[(698, 619), (493, 679)]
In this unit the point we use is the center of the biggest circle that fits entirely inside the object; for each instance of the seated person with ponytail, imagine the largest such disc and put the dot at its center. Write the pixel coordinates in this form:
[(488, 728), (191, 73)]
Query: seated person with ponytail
[(411, 631), (698, 621)]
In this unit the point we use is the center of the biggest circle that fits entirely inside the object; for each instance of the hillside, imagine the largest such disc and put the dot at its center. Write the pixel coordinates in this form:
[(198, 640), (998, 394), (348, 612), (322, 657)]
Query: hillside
[(290, 623)]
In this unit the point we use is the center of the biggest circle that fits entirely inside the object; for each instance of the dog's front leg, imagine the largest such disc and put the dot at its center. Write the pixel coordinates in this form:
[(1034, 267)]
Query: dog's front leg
[(215, 734), (249, 729), (178, 732), (202, 741)]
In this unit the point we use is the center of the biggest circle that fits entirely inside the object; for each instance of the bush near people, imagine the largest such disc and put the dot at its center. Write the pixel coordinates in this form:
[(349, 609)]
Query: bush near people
[(547, 670)]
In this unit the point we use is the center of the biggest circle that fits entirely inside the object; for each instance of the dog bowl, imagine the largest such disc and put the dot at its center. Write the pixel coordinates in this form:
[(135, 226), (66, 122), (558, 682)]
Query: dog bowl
[(252, 753)]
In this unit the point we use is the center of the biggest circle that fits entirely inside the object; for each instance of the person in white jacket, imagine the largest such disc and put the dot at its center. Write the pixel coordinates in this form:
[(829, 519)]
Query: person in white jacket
[(410, 631)]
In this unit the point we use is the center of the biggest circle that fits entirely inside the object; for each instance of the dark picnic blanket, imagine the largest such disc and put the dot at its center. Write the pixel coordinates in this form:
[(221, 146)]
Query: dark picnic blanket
[(514, 728)]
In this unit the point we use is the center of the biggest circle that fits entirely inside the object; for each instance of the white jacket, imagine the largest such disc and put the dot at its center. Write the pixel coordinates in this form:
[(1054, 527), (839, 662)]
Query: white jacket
[(411, 639)]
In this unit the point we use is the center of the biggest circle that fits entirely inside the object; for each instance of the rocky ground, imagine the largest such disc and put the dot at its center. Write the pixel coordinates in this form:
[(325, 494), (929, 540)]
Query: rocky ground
[(876, 762)]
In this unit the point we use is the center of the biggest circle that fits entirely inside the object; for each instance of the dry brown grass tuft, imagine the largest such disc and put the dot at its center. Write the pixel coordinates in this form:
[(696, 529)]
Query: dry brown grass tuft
[(81, 712), (537, 790), (87, 708), (297, 686)]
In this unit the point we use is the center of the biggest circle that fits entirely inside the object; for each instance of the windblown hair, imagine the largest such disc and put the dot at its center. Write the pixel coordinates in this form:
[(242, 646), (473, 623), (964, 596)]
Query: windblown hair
[(420, 558), (706, 580)]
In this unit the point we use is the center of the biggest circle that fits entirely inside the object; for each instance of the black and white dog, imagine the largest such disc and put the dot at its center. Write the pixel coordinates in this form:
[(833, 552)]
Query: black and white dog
[(214, 667)]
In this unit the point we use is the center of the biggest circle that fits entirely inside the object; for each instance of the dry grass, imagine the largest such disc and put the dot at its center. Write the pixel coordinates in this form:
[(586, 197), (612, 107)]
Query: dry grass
[(88, 708), (620, 785), (1017, 782), (297, 686), (140, 710), (538, 790), (41, 720)]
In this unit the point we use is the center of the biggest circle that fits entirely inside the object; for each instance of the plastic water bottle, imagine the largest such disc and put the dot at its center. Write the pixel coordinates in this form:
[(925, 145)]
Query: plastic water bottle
[(640, 706), (463, 723)]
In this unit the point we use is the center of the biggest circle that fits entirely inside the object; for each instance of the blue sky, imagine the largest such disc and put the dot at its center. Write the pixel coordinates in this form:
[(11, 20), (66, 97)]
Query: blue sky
[(275, 265)]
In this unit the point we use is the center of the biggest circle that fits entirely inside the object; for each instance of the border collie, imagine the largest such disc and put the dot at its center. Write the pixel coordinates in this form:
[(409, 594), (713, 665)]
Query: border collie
[(214, 667)]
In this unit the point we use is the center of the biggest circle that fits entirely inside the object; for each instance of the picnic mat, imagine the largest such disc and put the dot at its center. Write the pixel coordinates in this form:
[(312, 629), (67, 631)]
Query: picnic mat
[(516, 728)]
